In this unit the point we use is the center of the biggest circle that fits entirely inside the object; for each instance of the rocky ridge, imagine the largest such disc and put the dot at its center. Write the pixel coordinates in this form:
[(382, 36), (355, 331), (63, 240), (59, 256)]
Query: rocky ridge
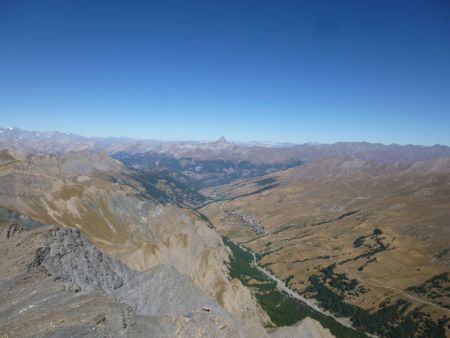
[(63, 286), (66, 272)]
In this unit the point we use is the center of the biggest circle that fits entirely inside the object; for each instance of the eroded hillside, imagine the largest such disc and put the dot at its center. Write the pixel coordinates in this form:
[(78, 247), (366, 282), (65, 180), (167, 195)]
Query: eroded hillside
[(101, 197), (54, 282)]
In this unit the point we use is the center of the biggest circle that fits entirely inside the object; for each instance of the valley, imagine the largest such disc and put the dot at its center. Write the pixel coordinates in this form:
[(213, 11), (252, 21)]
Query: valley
[(349, 234), (360, 246), (225, 169)]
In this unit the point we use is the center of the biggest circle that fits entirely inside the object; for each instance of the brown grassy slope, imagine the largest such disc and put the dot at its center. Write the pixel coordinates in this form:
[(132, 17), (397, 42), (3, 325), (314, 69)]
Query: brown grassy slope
[(316, 212)]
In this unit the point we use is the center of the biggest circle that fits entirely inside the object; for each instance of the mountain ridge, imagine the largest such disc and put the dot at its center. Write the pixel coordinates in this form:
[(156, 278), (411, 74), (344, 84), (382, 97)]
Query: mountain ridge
[(62, 142), (123, 219)]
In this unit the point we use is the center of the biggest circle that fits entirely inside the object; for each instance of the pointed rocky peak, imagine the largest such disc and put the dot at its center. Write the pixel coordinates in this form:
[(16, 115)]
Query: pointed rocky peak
[(222, 143), (222, 139)]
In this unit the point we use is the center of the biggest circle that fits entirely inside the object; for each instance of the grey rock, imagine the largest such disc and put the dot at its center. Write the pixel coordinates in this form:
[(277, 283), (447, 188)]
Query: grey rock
[(71, 257), (15, 223), (70, 289)]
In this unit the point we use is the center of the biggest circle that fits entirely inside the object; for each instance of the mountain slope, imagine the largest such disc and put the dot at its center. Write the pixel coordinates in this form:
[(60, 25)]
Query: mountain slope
[(346, 231), (53, 282), (99, 196)]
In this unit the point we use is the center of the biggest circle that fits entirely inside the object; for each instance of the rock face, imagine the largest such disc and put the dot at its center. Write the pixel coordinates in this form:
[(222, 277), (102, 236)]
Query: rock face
[(307, 328), (62, 286), (162, 289), (65, 287)]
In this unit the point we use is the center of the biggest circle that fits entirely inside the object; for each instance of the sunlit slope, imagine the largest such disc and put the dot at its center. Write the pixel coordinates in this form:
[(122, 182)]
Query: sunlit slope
[(371, 232), (120, 216)]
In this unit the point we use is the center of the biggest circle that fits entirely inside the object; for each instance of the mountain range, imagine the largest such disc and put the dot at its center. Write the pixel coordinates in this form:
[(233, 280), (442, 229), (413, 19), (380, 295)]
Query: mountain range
[(57, 142)]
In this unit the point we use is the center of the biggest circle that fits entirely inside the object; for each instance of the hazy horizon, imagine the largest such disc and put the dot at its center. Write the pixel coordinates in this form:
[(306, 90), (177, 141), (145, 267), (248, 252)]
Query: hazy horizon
[(218, 138)]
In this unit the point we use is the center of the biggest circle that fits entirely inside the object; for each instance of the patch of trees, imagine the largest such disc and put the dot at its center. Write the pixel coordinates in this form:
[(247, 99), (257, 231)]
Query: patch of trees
[(435, 288), (437, 282), (284, 310), (258, 191), (288, 279), (285, 227), (266, 181), (349, 213), (311, 259), (388, 321), (442, 253), (370, 260), (378, 247), (338, 281), (377, 232), (241, 264), (359, 241), (177, 189), (281, 308)]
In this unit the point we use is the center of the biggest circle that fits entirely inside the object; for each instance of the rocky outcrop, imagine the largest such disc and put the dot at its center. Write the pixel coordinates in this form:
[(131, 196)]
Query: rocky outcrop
[(307, 328), (161, 290), (15, 223), (66, 287)]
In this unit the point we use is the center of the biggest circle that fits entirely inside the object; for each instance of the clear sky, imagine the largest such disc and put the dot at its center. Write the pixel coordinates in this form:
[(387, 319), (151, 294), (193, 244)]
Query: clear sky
[(294, 71)]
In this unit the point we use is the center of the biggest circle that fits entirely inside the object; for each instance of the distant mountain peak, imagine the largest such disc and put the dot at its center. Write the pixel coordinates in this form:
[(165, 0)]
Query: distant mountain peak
[(222, 143), (222, 139)]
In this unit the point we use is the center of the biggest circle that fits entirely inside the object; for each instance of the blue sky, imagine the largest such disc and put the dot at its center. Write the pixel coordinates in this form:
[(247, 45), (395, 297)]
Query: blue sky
[(293, 71)]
